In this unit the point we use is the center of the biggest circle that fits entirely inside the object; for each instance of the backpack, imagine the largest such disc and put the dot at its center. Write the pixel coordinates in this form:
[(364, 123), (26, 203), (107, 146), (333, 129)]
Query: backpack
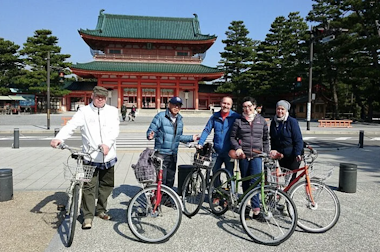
[(145, 169)]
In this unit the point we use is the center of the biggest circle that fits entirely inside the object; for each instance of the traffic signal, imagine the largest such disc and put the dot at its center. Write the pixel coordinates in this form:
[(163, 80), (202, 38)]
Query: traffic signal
[(319, 32), (299, 81), (61, 76)]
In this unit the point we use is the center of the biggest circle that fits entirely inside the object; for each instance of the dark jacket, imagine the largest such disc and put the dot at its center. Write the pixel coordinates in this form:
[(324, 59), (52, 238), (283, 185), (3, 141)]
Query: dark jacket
[(222, 130), (287, 137), (167, 135), (247, 136)]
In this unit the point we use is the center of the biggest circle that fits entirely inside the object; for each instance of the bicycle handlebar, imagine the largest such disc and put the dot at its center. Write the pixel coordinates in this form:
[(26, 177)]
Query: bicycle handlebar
[(78, 151)]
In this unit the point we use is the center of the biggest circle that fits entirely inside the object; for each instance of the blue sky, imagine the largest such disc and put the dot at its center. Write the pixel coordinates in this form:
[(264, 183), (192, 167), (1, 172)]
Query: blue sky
[(20, 18)]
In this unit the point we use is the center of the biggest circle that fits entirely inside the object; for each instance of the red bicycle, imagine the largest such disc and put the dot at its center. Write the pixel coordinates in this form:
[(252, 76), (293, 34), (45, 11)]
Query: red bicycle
[(154, 214)]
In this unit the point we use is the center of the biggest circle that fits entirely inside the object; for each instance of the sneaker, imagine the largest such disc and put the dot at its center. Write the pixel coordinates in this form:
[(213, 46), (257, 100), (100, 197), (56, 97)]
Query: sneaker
[(259, 217), (87, 224), (247, 211), (282, 209), (104, 216)]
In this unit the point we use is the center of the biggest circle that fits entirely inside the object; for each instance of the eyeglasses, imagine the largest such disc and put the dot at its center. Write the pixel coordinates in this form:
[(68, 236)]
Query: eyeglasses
[(247, 107), (100, 97), (176, 105)]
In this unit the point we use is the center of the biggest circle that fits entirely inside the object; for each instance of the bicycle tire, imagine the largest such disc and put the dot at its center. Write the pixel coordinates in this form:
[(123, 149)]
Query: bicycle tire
[(321, 217), (158, 226), (276, 224), (73, 215), (193, 192), (219, 195)]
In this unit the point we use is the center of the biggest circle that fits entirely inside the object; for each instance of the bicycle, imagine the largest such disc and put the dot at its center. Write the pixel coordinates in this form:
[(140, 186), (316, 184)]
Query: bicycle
[(78, 174), (276, 226), (195, 183), (154, 214), (317, 205)]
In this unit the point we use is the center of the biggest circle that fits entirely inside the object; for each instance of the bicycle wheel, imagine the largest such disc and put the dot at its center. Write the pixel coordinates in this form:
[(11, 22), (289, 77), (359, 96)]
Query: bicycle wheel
[(277, 219), (193, 192), (73, 215), (219, 192), (151, 225), (321, 216)]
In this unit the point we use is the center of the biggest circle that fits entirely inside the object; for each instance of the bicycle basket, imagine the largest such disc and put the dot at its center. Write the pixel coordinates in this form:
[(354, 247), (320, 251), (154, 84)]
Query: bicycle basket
[(321, 171), (145, 174), (83, 173), (280, 177), (205, 162)]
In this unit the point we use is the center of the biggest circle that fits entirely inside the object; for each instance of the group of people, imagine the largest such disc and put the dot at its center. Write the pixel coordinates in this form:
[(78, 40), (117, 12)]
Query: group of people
[(131, 115), (99, 125), (248, 131)]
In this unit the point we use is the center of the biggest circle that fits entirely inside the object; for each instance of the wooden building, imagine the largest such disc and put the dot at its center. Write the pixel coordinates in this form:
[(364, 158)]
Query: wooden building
[(144, 61)]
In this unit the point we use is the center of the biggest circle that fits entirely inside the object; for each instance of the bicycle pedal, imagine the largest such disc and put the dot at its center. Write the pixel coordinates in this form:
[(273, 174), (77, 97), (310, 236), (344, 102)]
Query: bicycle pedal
[(61, 207)]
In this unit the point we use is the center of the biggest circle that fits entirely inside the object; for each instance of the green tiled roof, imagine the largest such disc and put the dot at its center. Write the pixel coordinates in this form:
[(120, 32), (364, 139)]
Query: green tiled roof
[(143, 27), (145, 67)]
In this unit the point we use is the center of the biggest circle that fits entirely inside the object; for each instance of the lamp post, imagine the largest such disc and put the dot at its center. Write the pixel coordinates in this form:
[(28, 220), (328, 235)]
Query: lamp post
[(308, 117), (48, 91)]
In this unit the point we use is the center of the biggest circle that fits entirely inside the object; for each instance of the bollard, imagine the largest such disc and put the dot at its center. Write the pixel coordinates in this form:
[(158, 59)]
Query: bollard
[(183, 171), (347, 177), (56, 130), (6, 184), (16, 138), (361, 138)]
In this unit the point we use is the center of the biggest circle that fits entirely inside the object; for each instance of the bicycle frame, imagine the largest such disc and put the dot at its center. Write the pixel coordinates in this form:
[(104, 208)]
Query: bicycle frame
[(157, 193), (235, 182), (304, 173)]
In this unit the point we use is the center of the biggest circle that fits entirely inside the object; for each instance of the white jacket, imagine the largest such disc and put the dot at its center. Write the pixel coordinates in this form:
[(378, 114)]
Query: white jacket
[(98, 126)]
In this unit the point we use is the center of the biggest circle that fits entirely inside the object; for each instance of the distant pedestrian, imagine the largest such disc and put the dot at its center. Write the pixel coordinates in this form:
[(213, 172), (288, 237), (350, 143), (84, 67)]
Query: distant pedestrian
[(132, 114), (123, 112)]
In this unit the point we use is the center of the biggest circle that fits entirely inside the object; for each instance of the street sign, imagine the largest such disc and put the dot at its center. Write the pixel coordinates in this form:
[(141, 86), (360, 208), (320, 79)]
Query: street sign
[(327, 39)]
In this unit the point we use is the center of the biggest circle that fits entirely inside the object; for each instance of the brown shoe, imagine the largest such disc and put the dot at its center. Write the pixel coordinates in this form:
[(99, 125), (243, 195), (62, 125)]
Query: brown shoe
[(87, 224), (104, 216)]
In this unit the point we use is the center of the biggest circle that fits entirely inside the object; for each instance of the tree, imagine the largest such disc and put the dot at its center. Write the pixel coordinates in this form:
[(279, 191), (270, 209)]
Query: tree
[(9, 64), (35, 51), (237, 59), (280, 58), (349, 64)]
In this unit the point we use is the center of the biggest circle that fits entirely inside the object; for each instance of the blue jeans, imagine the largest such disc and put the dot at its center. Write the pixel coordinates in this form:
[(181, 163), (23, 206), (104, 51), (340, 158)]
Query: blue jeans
[(170, 167), (227, 163), (247, 168)]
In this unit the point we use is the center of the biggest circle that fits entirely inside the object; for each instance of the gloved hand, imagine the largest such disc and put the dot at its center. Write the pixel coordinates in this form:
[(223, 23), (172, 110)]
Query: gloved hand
[(239, 152)]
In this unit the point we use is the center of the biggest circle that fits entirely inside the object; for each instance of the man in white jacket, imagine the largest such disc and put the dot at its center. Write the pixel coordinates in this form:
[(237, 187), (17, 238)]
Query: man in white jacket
[(99, 125)]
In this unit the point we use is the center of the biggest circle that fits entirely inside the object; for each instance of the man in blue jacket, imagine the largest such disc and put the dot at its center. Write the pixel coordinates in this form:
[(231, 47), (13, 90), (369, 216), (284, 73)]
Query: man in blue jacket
[(222, 122), (167, 129)]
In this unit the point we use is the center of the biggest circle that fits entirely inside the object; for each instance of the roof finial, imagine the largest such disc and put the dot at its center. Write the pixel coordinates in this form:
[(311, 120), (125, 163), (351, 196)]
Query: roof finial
[(195, 15), (101, 11)]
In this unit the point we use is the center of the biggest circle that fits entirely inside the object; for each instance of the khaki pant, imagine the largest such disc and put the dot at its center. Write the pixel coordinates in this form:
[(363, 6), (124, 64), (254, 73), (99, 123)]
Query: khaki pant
[(100, 187)]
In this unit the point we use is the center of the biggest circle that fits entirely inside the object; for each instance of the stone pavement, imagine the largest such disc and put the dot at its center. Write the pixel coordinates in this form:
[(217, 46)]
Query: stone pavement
[(40, 169)]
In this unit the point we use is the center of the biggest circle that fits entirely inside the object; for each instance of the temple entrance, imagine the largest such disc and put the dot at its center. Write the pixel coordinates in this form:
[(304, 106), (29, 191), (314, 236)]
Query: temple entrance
[(148, 98), (166, 94), (130, 97)]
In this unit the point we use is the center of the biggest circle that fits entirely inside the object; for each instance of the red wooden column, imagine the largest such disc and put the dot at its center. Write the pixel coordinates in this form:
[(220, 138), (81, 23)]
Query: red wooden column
[(139, 92), (176, 92), (196, 95), (120, 93), (158, 93)]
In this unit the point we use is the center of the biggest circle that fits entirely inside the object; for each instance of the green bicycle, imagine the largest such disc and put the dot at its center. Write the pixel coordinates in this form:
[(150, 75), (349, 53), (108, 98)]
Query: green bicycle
[(278, 211)]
